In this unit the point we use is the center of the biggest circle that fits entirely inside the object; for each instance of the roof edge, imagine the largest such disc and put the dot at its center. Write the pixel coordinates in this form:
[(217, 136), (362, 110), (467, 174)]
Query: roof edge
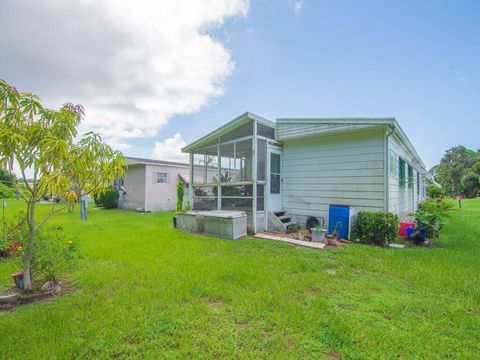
[(232, 124)]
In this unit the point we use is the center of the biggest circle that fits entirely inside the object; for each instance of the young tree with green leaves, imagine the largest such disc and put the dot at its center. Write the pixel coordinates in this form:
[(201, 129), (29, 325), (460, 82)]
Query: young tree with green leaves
[(41, 140), (180, 195)]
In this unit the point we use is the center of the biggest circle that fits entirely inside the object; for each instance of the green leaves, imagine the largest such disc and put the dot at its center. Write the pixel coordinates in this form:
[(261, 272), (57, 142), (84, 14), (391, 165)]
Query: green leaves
[(43, 139)]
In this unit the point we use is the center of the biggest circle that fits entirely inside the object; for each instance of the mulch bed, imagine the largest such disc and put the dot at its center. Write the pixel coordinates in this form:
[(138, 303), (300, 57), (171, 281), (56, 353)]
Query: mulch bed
[(18, 298)]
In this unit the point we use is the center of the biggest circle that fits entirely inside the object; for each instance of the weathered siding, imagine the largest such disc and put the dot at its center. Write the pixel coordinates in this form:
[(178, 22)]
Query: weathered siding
[(403, 199), (343, 169), (134, 184), (288, 131)]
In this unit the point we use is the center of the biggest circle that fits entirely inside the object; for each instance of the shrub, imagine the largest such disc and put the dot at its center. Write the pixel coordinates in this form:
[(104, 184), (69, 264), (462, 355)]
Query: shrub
[(52, 253), (376, 227), (109, 199), (434, 191), (15, 232), (6, 191), (430, 216)]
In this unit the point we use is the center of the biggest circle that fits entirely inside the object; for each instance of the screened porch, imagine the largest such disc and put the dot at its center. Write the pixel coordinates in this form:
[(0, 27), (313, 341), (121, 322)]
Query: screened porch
[(229, 168)]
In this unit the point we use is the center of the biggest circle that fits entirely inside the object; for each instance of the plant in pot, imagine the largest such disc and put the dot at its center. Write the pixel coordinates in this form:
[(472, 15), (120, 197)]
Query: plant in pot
[(302, 233), (318, 233), (332, 238)]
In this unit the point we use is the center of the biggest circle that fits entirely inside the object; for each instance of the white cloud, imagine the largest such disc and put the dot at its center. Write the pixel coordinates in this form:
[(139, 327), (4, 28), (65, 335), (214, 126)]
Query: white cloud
[(132, 64), (297, 6), (170, 149)]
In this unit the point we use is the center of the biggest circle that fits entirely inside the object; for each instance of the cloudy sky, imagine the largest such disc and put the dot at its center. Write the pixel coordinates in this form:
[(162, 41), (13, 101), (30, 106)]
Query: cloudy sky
[(155, 75)]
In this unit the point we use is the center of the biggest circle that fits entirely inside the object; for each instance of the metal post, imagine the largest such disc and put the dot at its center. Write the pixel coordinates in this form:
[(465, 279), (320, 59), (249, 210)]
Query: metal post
[(219, 187), (190, 194), (83, 209)]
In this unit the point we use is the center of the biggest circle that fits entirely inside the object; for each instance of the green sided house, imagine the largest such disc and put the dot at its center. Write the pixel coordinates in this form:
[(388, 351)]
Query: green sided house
[(282, 172)]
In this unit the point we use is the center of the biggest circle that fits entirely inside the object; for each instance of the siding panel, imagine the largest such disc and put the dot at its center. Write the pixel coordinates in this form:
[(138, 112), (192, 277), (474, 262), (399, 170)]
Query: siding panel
[(343, 169), (402, 199)]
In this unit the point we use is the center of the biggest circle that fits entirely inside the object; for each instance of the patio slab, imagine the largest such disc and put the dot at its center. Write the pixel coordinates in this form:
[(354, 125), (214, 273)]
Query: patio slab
[(308, 244)]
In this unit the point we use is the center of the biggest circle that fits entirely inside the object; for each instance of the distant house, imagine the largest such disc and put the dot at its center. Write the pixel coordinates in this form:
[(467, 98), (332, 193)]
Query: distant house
[(288, 170), (151, 185)]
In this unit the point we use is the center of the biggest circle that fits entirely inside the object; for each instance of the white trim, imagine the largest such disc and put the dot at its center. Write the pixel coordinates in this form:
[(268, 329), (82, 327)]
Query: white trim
[(254, 176)]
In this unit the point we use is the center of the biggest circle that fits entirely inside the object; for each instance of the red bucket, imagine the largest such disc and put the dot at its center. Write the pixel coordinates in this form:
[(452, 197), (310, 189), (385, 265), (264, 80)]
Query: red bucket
[(403, 228)]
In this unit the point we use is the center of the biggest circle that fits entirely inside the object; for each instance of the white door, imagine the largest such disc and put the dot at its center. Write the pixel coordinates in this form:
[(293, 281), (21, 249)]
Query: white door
[(274, 181)]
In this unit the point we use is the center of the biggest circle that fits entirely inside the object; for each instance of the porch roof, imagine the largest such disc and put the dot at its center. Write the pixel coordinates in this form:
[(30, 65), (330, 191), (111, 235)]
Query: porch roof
[(228, 127)]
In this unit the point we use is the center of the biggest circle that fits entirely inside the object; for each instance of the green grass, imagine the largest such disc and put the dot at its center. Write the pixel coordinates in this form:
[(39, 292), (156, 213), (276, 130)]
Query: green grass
[(144, 290)]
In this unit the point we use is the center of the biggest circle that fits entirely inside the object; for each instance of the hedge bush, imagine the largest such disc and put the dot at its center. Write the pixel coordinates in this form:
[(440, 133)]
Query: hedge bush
[(109, 199), (376, 227)]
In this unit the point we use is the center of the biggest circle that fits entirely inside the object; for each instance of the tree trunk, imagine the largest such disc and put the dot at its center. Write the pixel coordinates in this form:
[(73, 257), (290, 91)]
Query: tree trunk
[(27, 259)]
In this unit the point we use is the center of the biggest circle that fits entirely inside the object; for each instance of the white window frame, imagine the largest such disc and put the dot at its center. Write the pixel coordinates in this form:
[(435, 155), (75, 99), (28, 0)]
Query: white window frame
[(164, 176)]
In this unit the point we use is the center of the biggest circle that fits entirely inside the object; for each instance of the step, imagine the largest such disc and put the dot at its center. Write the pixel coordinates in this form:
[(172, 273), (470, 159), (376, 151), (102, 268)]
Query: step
[(284, 218), (287, 224), (279, 213)]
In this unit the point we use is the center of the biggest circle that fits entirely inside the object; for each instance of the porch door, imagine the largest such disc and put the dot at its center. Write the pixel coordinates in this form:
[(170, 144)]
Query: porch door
[(274, 181)]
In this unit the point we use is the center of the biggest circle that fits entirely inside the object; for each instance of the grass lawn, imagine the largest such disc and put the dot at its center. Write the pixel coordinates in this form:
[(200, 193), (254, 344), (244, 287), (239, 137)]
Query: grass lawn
[(144, 290)]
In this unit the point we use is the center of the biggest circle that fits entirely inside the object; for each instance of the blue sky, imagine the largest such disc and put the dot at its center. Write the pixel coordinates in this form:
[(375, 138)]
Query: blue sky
[(417, 61), (154, 75)]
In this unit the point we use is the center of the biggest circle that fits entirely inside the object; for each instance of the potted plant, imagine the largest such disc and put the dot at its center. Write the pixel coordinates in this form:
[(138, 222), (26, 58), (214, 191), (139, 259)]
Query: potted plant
[(18, 279), (302, 233), (318, 233), (332, 239)]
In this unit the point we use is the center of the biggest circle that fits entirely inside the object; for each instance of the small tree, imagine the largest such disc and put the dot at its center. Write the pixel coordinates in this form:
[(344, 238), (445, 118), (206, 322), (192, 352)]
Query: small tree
[(180, 195), (42, 140)]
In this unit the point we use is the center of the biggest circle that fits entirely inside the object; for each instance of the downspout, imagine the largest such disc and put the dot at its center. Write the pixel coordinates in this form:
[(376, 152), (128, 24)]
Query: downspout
[(387, 166)]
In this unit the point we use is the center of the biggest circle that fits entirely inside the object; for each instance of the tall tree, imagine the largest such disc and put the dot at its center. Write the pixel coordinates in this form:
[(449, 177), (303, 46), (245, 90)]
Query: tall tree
[(456, 162), (41, 140)]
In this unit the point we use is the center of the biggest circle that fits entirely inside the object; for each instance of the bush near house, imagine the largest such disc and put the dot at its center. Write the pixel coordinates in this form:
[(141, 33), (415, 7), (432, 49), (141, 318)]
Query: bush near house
[(430, 215), (434, 191), (109, 199), (376, 227)]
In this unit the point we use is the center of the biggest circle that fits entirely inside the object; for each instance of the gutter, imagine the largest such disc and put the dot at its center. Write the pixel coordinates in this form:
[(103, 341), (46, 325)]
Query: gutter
[(387, 167)]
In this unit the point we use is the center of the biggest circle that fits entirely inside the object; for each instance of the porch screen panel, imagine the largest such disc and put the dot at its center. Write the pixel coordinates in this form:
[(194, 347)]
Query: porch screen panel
[(261, 160), (260, 197), (228, 170), (243, 160), (205, 198), (275, 173), (199, 168), (237, 197), (265, 131), (211, 165)]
